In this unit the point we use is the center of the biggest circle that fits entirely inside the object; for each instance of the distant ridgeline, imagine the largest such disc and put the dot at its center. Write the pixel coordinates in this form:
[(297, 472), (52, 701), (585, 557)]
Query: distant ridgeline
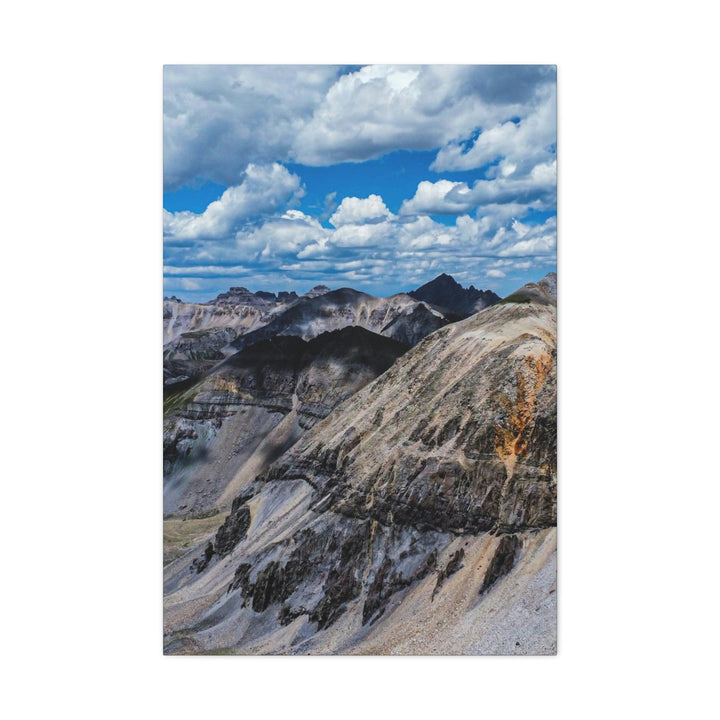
[(444, 292)]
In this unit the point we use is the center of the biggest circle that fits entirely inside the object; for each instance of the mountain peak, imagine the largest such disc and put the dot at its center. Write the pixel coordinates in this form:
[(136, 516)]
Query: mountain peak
[(443, 280), (317, 291), (448, 294)]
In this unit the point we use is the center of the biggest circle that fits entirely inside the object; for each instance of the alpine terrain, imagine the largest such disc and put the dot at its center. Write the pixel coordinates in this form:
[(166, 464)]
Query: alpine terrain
[(347, 474)]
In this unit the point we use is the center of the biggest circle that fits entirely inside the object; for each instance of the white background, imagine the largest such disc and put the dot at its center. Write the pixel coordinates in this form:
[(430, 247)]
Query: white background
[(81, 284)]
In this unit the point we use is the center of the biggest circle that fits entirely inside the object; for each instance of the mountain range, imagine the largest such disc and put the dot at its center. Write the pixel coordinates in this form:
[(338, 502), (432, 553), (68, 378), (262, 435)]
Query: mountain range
[(198, 336), (360, 475)]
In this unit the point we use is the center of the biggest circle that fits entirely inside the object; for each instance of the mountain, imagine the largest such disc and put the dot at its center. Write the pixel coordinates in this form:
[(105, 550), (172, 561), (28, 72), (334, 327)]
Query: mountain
[(255, 405), (445, 293), (311, 315), (199, 336), (417, 518)]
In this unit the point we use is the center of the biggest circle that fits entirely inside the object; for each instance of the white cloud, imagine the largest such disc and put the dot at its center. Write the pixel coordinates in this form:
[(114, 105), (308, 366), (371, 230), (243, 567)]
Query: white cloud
[(263, 190), (359, 211), (432, 199), (296, 241), (218, 119), (521, 144), (522, 239), (382, 108), (236, 125), (538, 184)]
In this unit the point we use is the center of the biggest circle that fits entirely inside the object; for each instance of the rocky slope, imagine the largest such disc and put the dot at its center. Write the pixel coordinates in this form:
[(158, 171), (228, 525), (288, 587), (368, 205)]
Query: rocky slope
[(224, 430), (445, 293), (194, 353), (418, 517), (414, 323)]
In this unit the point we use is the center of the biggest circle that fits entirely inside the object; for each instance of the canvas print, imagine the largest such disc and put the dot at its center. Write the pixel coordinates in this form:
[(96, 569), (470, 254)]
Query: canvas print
[(359, 360)]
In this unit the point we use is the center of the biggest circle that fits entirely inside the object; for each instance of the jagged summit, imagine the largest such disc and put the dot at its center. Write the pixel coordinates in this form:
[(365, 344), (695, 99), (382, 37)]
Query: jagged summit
[(449, 295), (317, 291), (243, 296)]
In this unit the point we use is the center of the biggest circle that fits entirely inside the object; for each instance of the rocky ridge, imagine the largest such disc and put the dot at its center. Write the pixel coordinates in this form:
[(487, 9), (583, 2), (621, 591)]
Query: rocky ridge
[(392, 316)]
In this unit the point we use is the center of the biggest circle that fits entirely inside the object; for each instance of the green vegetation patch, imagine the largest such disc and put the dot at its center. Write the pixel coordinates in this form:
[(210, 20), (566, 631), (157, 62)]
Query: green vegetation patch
[(178, 395), (516, 298), (180, 534)]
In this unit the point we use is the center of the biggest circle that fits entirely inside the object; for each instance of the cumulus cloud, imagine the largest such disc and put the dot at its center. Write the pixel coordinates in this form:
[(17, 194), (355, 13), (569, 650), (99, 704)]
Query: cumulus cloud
[(523, 240), (521, 143), (382, 108), (237, 126), (263, 190), (432, 199), (217, 119), (360, 211), (395, 249), (539, 184)]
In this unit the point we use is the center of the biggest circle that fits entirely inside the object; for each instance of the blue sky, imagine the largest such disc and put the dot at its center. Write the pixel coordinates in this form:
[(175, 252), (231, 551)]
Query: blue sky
[(378, 177)]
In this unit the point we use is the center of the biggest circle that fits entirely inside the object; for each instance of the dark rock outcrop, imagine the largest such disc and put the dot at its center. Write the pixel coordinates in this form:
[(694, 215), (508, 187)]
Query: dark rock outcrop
[(447, 294), (502, 561), (233, 530), (454, 564)]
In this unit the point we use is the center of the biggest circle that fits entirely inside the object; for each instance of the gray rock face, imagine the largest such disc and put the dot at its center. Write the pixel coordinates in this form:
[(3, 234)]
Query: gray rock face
[(417, 517), (413, 325), (179, 318), (194, 353)]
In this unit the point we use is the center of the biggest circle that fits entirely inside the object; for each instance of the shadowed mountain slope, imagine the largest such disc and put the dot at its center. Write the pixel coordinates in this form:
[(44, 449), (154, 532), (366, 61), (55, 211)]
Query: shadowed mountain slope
[(255, 405)]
